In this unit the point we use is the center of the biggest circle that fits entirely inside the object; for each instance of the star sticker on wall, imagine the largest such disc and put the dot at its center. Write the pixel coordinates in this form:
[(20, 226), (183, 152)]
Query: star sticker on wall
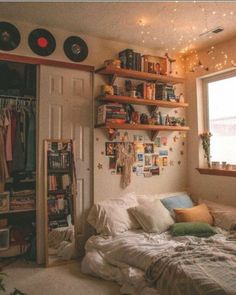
[(171, 149), (102, 153), (176, 112), (97, 139), (181, 153), (99, 166), (183, 143), (179, 162), (175, 138), (171, 163)]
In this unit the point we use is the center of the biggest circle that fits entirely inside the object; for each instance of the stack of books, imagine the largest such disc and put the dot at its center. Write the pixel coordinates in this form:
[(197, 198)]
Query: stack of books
[(155, 91), (58, 182), (111, 113), (58, 160), (145, 63), (130, 60)]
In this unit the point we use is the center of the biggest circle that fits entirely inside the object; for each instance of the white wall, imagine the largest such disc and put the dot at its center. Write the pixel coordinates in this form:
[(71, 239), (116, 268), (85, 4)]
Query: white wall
[(107, 185), (221, 188)]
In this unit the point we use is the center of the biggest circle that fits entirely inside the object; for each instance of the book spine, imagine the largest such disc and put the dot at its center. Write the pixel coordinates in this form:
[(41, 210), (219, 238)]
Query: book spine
[(129, 56)]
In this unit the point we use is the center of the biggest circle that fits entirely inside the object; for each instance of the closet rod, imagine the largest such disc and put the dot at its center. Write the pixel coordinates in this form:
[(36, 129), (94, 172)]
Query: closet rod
[(16, 97)]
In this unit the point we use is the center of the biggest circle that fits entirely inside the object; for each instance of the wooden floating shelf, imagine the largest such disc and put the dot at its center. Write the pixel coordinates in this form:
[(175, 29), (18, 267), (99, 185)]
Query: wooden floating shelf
[(115, 72), (217, 172), (142, 101), (153, 128)]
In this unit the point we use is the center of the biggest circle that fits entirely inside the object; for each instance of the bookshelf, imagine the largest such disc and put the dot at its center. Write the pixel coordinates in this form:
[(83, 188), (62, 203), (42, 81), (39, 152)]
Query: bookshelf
[(114, 72), (155, 129), (142, 101), (59, 191)]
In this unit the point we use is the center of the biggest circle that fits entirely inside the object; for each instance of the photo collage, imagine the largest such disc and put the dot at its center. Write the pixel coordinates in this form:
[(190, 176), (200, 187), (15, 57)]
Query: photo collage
[(150, 157)]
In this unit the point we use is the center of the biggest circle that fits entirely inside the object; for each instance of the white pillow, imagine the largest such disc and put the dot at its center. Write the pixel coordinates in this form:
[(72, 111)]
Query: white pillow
[(110, 217), (152, 216), (224, 216), (150, 197)]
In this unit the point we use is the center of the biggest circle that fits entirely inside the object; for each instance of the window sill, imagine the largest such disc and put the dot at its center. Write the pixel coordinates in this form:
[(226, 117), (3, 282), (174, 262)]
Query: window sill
[(218, 172)]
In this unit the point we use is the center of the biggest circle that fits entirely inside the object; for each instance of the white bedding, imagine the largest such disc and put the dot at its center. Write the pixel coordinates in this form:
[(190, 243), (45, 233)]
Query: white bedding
[(125, 258)]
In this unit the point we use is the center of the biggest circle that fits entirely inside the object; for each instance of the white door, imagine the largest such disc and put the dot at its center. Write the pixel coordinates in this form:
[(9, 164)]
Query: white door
[(66, 112)]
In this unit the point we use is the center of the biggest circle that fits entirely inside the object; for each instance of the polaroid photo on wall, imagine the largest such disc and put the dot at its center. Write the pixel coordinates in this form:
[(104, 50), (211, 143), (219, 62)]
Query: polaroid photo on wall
[(157, 141), (139, 170), (163, 153), (140, 157), (112, 163), (155, 171), (155, 160), (164, 141), (148, 148), (148, 160)]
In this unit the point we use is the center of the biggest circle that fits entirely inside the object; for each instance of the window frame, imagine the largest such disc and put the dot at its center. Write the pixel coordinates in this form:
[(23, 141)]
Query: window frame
[(205, 113), (206, 81)]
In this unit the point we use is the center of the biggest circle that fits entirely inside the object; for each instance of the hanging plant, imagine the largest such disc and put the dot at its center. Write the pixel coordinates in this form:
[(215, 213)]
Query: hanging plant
[(206, 143)]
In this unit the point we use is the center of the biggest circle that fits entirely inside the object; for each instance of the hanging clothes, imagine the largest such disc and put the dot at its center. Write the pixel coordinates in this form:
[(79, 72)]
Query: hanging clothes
[(18, 161), (3, 164), (8, 136), (31, 142)]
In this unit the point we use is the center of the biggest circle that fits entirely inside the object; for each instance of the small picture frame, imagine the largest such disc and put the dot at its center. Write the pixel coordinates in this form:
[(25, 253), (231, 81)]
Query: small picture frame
[(111, 148), (148, 148)]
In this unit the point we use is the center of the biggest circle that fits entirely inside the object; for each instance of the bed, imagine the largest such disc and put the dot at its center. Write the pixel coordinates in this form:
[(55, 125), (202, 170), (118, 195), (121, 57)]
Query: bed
[(158, 263)]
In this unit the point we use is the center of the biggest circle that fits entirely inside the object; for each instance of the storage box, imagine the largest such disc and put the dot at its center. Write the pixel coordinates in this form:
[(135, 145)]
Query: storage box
[(4, 202), (22, 200), (4, 238)]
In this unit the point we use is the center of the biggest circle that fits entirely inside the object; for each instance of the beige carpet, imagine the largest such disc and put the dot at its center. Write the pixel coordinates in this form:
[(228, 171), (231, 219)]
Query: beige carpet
[(60, 280)]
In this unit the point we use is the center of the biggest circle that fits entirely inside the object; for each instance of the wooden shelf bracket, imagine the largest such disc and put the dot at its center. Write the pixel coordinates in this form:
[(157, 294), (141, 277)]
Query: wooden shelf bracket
[(112, 78), (154, 135)]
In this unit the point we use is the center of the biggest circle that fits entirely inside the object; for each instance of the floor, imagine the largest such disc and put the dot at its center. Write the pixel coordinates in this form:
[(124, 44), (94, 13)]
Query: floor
[(59, 280)]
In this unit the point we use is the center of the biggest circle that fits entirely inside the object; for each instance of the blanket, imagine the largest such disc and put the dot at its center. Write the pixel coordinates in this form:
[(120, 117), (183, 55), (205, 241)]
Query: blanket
[(204, 268)]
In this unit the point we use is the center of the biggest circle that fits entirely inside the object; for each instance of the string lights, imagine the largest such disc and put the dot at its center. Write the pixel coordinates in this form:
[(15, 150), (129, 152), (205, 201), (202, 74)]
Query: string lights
[(184, 45)]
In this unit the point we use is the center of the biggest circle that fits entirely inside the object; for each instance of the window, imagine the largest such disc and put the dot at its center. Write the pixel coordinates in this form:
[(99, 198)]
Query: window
[(221, 117)]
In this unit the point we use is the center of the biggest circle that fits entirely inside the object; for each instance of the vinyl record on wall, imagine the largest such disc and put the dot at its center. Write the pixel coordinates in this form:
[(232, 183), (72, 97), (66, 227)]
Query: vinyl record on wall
[(9, 36), (75, 48), (42, 42)]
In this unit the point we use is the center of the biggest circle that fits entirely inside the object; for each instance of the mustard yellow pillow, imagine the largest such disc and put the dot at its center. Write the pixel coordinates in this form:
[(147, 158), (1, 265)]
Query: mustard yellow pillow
[(198, 213)]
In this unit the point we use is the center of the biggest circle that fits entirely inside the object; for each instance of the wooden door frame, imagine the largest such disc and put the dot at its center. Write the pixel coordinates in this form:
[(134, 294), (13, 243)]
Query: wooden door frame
[(44, 61)]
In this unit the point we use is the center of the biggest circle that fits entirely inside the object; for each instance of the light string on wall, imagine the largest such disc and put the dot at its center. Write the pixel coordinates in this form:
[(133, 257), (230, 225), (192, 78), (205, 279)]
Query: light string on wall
[(186, 42)]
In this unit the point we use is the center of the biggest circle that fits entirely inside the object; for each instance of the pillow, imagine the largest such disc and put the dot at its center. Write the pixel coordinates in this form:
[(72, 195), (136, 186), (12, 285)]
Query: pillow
[(224, 216), (152, 216), (181, 201), (197, 229), (110, 217), (152, 197), (198, 213)]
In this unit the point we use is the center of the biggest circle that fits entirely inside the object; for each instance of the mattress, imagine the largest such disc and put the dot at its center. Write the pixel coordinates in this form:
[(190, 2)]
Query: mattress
[(125, 258)]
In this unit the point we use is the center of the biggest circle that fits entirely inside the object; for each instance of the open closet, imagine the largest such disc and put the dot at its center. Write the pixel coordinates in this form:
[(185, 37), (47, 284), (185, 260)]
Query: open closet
[(48, 101), (18, 113)]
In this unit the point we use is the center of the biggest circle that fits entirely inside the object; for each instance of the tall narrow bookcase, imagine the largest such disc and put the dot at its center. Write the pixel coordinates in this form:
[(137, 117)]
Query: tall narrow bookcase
[(59, 191)]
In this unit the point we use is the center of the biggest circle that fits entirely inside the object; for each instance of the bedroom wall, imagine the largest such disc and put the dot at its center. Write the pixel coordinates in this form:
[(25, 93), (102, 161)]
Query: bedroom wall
[(173, 177), (218, 188)]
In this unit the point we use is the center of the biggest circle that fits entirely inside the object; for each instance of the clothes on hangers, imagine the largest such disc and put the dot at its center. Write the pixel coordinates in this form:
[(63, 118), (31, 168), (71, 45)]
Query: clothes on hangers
[(18, 136)]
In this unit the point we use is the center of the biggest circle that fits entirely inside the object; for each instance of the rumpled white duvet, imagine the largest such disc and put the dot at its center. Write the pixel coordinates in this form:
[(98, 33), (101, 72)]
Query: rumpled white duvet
[(126, 257)]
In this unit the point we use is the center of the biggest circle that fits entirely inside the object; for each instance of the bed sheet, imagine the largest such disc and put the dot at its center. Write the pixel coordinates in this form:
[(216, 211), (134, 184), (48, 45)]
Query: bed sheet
[(125, 258)]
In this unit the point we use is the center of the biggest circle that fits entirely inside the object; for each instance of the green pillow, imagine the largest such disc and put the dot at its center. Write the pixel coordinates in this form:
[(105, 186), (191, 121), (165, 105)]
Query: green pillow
[(198, 229)]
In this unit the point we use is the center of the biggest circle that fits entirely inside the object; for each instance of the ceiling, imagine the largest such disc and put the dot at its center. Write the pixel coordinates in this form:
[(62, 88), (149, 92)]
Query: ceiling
[(172, 26)]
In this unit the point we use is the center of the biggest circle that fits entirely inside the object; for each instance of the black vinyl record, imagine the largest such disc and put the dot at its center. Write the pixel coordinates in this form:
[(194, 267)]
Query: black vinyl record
[(9, 36), (42, 42), (75, 48)]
